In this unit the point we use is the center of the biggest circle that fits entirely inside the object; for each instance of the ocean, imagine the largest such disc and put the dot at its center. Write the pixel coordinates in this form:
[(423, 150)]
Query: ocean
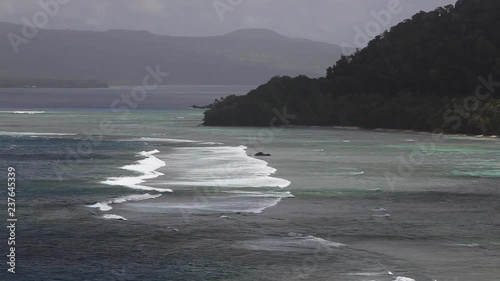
[(150, 194)]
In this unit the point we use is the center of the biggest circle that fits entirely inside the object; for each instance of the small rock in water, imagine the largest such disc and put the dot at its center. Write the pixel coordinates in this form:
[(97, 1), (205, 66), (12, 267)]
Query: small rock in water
[(262, 154)]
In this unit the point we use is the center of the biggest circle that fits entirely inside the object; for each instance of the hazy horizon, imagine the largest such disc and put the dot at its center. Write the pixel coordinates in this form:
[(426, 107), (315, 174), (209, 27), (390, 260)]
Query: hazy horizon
[(321, 21)]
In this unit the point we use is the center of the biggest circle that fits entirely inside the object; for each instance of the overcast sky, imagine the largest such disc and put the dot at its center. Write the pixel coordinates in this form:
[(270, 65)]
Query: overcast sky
[(331, 21)]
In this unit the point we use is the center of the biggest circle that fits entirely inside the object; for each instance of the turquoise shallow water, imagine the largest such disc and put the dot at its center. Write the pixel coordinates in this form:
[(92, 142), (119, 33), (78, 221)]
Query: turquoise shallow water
[(329, 204)]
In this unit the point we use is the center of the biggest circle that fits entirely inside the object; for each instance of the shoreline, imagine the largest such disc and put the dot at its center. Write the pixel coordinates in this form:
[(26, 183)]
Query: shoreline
[(353, 128)]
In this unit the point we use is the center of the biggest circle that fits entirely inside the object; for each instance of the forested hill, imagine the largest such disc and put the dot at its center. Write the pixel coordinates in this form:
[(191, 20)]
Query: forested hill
[(436, 53), (421, 75)]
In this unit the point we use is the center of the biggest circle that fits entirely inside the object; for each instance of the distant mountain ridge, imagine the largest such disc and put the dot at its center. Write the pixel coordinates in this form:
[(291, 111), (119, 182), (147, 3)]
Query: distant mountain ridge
[(241, 57)]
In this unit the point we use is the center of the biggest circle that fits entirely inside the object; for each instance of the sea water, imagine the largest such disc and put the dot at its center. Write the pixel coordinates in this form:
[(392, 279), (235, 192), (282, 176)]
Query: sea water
[(161, 198)]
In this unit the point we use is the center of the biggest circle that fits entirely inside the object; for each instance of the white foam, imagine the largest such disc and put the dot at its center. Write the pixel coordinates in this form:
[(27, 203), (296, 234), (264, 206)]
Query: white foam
[(382, 216), (268, 194), (267, 203), (176, 141), (147, 167), (167, 140), (101, 206), (23, 112), (472, 245), (353, 173), (148, 153), (323, 241), (365, 274), (135, 183), (236, 182), (293, 243), (105, 206), (310, 238), (214, 205), (33, 134), (234, 202), (211, 143), (224, 167), (134, 197), (113, 217), (399, 278), (221, 166)]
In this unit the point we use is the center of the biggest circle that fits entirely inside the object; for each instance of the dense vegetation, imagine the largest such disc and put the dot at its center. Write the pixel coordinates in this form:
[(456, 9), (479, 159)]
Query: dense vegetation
[(421, 75), (51, 83)]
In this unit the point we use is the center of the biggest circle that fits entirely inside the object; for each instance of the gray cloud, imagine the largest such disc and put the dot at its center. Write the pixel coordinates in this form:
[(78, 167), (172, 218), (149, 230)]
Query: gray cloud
[(321, 20)]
